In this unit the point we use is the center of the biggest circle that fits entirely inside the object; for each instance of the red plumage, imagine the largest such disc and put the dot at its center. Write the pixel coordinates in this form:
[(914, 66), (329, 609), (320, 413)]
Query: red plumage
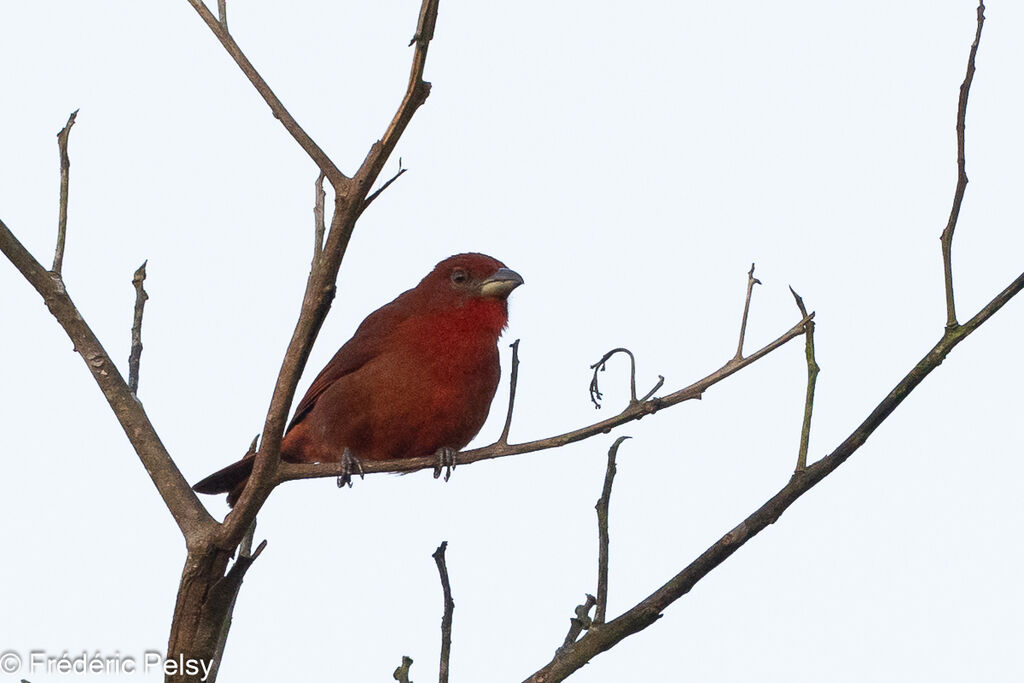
[(417, 376)]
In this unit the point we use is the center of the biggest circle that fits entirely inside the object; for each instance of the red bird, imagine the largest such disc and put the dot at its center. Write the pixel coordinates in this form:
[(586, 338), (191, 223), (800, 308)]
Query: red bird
[(417, 378)]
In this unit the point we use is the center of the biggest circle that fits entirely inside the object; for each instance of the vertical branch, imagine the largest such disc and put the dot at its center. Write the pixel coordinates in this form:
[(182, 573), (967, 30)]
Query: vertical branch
[(751, 281), (135, 357), (503, 439), (602, 532), (812, 378), (319, 223), (449, 607), (222, 13), (62, 212), (961, 177)]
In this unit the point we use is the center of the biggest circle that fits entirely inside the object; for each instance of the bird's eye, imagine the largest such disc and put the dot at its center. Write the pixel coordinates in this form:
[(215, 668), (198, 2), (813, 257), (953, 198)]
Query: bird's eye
[(459, 276)]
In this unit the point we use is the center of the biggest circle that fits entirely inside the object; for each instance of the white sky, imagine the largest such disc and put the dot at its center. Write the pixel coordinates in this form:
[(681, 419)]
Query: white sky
[(630, 162)]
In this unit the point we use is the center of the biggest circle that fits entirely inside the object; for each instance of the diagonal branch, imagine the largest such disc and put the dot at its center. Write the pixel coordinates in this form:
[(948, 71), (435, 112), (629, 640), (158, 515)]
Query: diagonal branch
[(634, 411), (321, 286), (220, 30), (188, 512), (603, 637), (961, 176)]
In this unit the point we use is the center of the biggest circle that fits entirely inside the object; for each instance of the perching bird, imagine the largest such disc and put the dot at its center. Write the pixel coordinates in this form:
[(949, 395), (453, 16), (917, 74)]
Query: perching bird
[(417, 378)]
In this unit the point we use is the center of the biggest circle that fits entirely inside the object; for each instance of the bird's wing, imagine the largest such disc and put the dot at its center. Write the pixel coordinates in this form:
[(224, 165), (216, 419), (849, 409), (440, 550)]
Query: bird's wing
[(364, 345)]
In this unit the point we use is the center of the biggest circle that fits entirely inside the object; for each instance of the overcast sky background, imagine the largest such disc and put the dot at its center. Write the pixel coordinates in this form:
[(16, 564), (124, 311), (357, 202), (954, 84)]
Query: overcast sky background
[(630, 163)]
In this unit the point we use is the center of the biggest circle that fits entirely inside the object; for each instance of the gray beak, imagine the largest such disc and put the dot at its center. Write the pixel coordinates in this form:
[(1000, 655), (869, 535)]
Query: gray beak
[(501, 284)]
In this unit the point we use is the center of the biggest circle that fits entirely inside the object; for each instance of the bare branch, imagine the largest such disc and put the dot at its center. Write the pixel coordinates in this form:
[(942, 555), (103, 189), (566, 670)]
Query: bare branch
[(369, 200), (599, 366), (402, 673), (416, 94), (961, 178), (449, 607), (602, 532), (321, 285), (190, 515), (135, 356), (62, 210), (812, 378), (635, 411), (319, 223), (336, 177), (580, 622), (601, 638), (513, 381), (222, 13), (751, 281)]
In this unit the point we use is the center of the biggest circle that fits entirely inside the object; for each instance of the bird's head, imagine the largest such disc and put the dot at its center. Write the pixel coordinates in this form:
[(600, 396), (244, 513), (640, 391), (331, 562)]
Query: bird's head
[(470, 283), (464, 277)]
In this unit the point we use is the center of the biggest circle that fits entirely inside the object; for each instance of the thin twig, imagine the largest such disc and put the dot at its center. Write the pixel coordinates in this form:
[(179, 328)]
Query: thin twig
[(62, 209), (416, 94), (449, 607), (401, 674), (513, 381), (602, 532), (135, 356), (318, 156), (751, 281), (190, 515), (222, 13), (649, 610), (319, 223), (580, 622), (812, 378), (369, 200), (292, 471), (961, 176)]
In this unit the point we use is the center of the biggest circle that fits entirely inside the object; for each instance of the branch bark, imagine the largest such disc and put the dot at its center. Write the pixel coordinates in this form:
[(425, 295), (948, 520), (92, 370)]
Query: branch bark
[(603, 637), (189, 514)]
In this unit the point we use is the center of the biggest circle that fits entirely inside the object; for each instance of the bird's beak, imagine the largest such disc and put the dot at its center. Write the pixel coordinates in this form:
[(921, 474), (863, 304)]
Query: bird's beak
[(501, 284)]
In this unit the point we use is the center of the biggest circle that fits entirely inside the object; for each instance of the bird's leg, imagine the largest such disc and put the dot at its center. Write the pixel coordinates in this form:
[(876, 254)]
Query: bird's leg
[(445, 461), (349, 465)]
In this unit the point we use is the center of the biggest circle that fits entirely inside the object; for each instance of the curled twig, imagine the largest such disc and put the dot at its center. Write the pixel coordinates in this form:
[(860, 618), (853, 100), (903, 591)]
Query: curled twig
[(599, 366)]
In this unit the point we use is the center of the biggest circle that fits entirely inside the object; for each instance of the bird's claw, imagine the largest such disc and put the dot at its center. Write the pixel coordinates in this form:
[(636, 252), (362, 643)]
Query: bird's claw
[(445, 461), (349, 465)]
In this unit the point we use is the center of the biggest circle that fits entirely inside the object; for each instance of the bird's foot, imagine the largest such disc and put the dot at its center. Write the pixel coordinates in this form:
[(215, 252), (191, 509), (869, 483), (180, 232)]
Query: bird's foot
[(445, 461), (349, 465)]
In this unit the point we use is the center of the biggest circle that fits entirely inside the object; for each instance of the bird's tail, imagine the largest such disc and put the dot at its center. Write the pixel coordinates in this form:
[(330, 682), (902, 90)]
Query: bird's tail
[(230, 480)]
